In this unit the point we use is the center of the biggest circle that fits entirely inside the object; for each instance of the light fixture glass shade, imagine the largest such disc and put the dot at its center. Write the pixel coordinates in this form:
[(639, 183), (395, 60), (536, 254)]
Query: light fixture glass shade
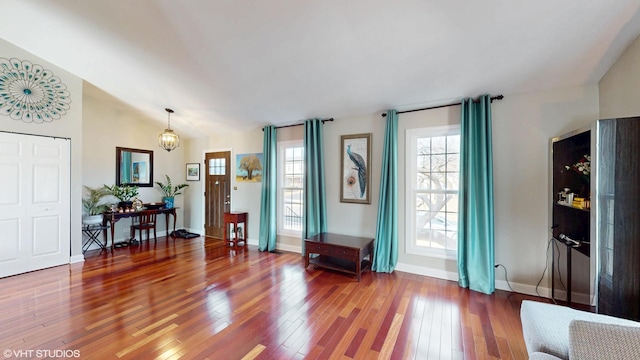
[(168, 140)]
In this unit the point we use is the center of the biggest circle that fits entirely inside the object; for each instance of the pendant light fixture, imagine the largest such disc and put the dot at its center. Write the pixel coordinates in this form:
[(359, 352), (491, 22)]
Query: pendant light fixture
[(168, 140)]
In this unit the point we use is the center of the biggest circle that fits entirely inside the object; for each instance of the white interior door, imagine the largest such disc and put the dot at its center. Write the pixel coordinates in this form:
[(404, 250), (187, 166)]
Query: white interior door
[(34, 203)]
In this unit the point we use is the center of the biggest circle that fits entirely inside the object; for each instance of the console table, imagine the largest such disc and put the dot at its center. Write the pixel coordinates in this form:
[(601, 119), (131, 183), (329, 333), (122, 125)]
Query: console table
[(339, 252), (112, 218)]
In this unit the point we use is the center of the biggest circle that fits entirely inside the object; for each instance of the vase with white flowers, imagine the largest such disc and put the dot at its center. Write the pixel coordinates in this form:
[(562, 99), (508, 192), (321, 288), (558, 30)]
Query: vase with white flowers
[(124, 193)]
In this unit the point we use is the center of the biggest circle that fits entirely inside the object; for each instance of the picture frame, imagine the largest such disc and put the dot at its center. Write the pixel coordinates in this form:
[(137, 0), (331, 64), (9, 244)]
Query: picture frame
[(355, 168), (249, 167), (193, 172)]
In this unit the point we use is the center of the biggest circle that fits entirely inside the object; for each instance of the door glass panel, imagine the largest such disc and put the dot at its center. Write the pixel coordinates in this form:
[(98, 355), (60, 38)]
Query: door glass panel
[(217, 166)]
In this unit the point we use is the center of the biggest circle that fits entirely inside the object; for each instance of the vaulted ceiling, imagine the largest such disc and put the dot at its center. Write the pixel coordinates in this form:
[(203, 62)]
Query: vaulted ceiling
[(238, 64)]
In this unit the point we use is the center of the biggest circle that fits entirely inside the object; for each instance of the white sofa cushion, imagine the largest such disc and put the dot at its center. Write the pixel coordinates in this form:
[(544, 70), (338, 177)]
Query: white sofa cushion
[(594, 340), (545, 327)]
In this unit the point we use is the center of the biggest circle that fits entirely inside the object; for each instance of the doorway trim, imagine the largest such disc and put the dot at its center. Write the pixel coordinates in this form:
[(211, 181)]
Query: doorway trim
[(203, 174)]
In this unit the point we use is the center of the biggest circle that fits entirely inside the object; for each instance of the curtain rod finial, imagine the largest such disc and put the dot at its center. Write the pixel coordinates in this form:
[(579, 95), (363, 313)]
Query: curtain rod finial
[(384, 114)]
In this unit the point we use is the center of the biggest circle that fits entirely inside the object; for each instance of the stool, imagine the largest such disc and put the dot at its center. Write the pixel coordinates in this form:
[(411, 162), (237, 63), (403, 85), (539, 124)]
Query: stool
[(93, 231)]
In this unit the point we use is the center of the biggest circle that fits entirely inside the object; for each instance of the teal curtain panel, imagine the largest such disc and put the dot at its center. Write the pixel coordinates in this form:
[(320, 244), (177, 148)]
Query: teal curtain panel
[(268, 198), (386, 241), (476, 217), (315, 203)]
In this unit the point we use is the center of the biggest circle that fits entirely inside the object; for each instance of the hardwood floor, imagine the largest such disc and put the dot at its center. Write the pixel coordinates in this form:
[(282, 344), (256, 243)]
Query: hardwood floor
[(193, 299)]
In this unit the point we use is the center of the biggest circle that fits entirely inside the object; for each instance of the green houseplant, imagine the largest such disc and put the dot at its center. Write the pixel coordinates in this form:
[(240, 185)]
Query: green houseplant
[(170, 191), (93, 205), (124, 193)]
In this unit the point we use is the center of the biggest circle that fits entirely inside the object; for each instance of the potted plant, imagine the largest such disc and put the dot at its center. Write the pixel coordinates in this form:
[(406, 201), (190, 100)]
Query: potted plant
[(124, 193), (170, 191), (93, 206)]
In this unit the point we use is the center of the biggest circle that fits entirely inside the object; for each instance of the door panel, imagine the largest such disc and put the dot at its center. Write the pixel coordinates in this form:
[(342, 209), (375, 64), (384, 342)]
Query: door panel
[(10, 243), (217, 192), (35, 206), (44, 227)]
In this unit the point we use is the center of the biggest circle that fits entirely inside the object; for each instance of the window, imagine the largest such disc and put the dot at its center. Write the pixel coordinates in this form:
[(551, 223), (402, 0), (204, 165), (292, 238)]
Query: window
[(433, 160), (290, 185), (217, 166)]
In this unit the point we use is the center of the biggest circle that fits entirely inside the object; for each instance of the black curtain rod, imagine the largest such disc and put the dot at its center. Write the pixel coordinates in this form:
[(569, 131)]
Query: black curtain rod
[(286, 126), (497, 97)]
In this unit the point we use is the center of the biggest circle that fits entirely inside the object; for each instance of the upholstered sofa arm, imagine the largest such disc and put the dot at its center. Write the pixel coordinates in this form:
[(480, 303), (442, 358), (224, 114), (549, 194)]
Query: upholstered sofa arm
[(594, 340), (545, 327)]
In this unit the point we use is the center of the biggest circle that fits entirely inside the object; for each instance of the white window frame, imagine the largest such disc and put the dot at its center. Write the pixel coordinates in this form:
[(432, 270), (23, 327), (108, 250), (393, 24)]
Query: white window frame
[(411, 137), (282, 146)]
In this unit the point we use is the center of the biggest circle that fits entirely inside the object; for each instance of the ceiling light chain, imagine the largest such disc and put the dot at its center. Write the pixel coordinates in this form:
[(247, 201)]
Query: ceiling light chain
[(168, 140)]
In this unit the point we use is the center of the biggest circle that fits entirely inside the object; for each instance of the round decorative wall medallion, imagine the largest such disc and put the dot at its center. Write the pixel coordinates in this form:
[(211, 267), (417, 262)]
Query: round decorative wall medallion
[(31, 93)]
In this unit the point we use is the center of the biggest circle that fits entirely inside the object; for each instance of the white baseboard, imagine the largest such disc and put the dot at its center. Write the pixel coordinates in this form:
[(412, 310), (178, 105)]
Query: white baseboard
[(580, 298), (453, 276), (76, 259), (435, 273)]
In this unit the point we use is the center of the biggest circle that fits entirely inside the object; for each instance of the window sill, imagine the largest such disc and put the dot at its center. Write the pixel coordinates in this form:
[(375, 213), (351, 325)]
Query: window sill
[(438, 254)]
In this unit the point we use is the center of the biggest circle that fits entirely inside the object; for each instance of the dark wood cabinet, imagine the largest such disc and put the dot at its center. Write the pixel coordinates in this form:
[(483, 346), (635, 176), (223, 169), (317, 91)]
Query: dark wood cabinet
[(609, 231), (618, 217), (571, 215)]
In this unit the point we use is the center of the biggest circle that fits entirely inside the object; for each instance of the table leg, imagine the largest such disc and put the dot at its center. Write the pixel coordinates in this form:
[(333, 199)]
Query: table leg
[(174, 220), (113, 236), (166, 223), (106, 236), (235, 230), (569, 275), (358, 265)]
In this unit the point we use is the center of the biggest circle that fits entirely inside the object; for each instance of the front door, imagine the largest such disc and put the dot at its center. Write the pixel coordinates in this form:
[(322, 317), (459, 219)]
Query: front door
[(34, 203), (217, 192)]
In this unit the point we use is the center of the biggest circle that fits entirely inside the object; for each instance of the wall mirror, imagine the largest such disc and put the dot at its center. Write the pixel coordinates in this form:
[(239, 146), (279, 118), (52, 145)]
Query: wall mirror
[(134, 167)]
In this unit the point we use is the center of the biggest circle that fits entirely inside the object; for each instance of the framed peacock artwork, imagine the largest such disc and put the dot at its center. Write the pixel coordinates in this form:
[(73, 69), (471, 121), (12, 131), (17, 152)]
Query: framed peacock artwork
[(355, 164)]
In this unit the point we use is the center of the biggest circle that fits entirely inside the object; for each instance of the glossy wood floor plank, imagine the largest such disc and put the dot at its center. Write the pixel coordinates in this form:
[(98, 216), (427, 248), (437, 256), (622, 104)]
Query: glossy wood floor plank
[(196, 299)]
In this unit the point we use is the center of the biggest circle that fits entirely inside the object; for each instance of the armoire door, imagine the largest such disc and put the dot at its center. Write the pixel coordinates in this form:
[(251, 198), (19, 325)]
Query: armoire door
[(34, 203), (618, 213)]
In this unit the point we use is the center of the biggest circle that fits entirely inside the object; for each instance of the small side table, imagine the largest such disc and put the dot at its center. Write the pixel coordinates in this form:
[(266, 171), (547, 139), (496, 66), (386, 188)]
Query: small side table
[(93, 231), (235, 218)]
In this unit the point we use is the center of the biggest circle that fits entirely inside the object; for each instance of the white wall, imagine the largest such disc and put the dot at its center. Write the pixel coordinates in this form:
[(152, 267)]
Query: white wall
[(523, 125), (244, 196), (522, 128), (68, 126), (193, 199), (620, 86), (109, 123)]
